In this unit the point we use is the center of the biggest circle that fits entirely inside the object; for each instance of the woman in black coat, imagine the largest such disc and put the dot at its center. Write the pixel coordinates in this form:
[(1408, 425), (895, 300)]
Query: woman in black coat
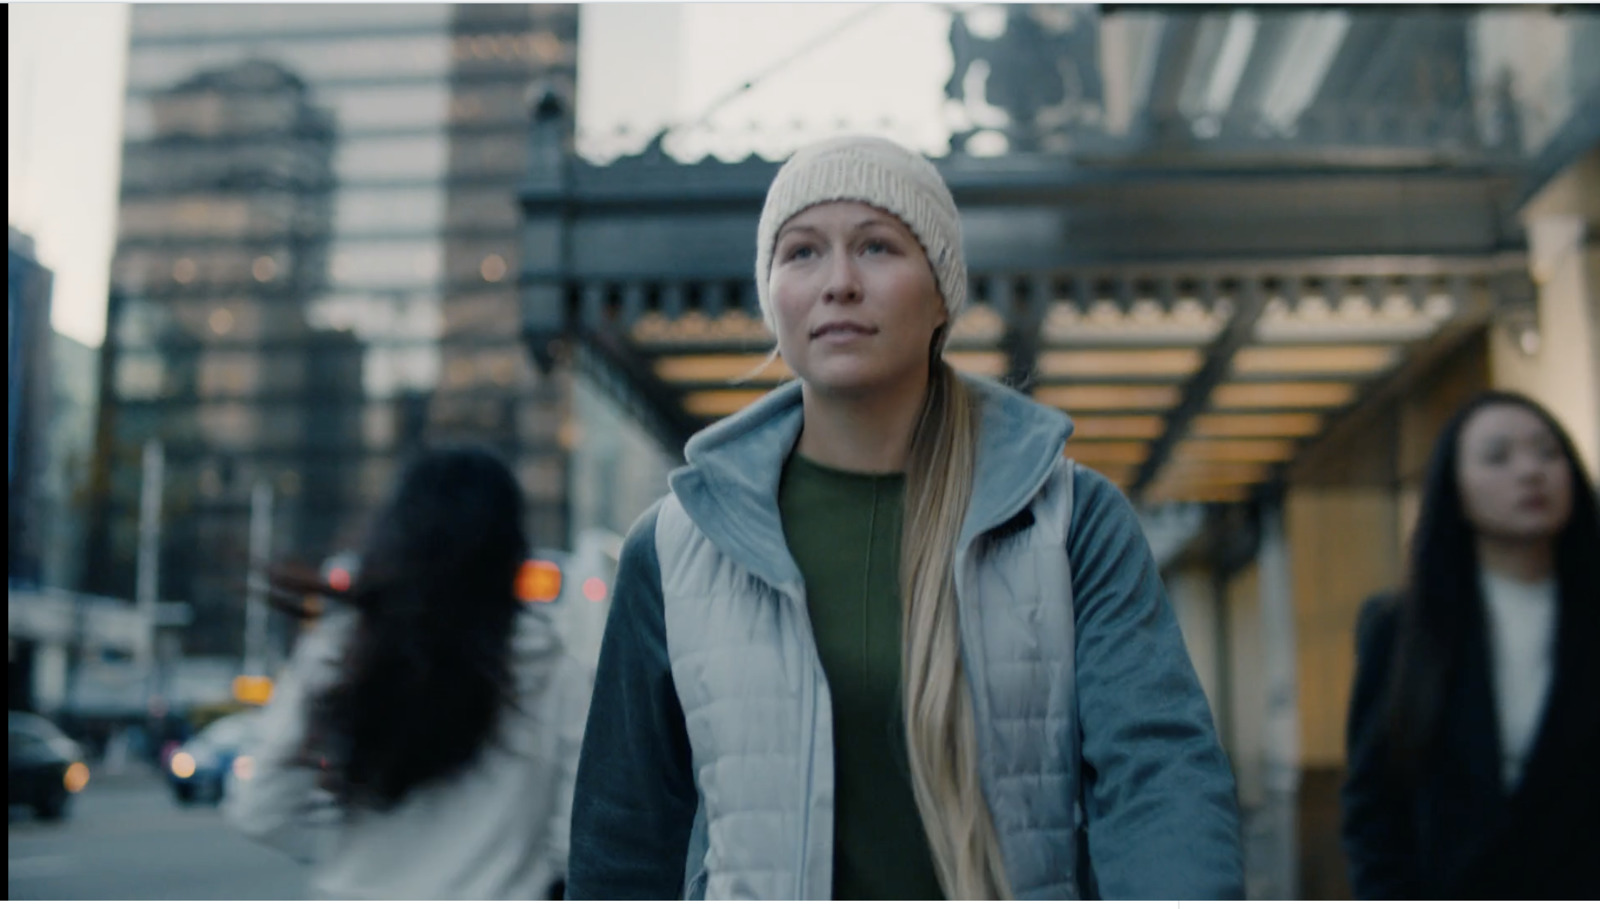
[(1474, 728)]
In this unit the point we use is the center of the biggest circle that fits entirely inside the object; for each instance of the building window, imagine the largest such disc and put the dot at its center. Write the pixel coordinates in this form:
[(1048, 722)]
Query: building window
[(412, 157), (221, 321), (385, 210), (396, 263), (139, 377), (424, 106), (289, 483)]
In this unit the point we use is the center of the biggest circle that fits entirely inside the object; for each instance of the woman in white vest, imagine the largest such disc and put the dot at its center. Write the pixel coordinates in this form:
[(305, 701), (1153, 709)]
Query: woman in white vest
[(882, 639), (421, 743)]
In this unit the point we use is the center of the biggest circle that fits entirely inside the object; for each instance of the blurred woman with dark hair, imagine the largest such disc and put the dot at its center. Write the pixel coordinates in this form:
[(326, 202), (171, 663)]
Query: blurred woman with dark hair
[(421, 743), (1474, 731)]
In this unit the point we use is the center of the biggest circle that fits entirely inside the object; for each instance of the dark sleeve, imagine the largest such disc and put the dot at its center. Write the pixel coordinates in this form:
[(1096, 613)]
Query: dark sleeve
[(634, 801), (1163, 814), (1376, 823)]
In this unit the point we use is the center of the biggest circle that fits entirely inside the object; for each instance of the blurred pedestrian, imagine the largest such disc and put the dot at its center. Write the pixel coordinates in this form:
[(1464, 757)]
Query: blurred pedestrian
[(1474, 730), (882, 639), (422, 741)]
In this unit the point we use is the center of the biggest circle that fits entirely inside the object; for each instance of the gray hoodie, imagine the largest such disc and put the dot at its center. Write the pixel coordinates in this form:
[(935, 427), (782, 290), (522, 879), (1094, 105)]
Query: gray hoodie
[(498, 830)]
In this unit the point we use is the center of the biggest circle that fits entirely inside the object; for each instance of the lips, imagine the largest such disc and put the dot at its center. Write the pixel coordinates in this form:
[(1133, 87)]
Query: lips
[(842, 329)]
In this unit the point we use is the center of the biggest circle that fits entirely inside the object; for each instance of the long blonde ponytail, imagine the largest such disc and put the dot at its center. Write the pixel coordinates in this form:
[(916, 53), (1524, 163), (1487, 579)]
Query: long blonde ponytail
[(941, 736)]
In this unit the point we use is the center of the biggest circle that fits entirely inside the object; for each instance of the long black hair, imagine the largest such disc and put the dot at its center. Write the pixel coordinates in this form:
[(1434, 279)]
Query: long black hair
[(1441, 605), (427, 670)]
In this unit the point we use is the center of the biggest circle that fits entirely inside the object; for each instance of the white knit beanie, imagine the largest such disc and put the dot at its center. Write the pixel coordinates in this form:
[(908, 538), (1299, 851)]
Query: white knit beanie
[(879, 173)]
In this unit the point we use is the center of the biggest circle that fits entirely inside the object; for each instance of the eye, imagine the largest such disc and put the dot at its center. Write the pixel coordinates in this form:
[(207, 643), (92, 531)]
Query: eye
[(877, 246), (798, 252)]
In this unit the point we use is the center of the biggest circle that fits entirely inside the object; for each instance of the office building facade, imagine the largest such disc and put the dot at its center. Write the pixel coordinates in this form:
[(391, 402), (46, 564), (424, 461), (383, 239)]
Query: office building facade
[(316, 272), (28, 405)]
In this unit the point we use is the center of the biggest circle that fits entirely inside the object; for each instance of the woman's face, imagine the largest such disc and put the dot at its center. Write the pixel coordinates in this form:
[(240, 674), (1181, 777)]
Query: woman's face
[(1515, 481), (854, 298)]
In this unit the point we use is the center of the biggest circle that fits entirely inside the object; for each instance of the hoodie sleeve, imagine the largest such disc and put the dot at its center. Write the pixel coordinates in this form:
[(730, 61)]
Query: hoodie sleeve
[(281, 804), (635, 798), (573, 710), (1162, 813)]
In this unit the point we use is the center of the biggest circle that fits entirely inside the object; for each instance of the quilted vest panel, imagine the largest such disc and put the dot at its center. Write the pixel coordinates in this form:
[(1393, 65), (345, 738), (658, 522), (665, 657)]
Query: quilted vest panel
[(760, 726)]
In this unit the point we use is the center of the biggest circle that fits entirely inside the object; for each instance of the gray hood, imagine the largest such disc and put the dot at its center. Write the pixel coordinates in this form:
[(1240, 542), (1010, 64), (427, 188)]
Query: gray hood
[(729, 487)]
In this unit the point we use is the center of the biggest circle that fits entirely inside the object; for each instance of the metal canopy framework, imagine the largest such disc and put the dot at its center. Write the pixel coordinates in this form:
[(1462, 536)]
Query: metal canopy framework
[(1192, 382), (1203, 311)]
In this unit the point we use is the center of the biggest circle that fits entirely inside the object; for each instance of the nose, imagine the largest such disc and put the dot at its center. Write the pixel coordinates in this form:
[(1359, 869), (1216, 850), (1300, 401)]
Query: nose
[(844, 284), (1530, 468)]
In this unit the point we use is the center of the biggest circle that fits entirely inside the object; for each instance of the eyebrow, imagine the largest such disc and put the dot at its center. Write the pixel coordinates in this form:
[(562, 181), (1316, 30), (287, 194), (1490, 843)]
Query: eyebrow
[(797, 229)]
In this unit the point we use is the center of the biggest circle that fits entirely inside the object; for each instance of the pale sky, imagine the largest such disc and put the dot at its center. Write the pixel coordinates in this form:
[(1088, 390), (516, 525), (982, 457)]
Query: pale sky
[(64, 72), (641, 66)]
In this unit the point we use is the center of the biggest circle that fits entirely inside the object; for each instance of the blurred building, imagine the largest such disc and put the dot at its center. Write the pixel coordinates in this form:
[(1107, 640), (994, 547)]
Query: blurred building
[(75, 371), (1258, 255), (315, 272), (618, 468), (28, 406)]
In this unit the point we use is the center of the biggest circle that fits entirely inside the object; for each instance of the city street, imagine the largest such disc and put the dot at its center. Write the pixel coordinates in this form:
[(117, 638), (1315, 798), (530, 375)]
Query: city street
[(128, 839)]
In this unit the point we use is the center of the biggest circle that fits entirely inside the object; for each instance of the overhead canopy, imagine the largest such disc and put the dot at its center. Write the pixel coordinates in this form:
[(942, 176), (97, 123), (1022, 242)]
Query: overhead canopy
[(1205, 302)]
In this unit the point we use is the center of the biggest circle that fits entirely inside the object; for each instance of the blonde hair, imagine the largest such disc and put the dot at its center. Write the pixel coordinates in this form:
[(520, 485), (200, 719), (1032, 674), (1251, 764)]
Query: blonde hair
[(941, 735)]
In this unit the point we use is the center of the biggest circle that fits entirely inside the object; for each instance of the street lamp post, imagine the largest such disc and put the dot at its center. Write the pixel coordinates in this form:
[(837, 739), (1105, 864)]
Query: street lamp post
[(149, 577), (255, 609)]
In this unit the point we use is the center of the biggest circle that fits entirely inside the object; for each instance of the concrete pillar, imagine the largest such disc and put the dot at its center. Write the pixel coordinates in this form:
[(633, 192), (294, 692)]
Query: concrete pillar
[(49, 677), (1248, 694), (1558, 362), (1281, 725), (1190, 591)]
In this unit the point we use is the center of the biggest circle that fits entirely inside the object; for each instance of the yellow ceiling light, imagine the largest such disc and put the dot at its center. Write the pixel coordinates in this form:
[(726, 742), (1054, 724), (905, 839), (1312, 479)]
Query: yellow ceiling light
[(1119, 474), (1214, 472), (652, 329), (720, 403), (978, 362), (1127, 363), (979, 323), (1197, 494), (1099, 427), (1108, 397), (721, 368), (1268, 450), (1314, 360), (1108, 452), (1255, 425), (1267, 395)]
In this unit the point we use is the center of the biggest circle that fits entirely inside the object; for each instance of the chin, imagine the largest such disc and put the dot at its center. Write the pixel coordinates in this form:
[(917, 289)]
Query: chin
[(851, 382), (1533, 531)]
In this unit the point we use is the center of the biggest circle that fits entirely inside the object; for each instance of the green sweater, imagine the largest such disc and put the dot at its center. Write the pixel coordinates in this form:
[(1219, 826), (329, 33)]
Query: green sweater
[(843, 530)]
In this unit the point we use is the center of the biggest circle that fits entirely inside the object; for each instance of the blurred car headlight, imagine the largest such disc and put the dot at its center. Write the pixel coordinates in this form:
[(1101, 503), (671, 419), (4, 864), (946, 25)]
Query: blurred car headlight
[(76, 777), (244, 767), (183, 765)]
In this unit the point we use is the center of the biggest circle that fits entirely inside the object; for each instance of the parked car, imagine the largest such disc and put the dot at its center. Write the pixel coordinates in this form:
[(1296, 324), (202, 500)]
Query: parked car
[(44, 767), (200, 770)]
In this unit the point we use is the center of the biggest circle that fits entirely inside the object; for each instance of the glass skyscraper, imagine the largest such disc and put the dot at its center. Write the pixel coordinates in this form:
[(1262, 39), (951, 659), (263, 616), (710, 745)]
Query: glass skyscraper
[(315, 272)]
